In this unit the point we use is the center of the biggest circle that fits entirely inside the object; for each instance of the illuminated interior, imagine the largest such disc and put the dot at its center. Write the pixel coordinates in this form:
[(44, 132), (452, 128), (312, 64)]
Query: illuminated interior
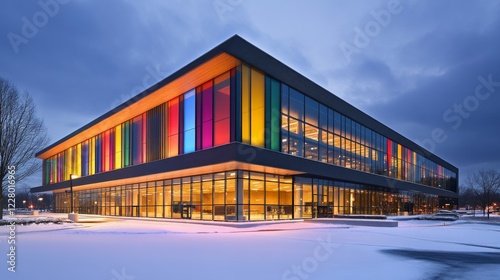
[(239, 195)]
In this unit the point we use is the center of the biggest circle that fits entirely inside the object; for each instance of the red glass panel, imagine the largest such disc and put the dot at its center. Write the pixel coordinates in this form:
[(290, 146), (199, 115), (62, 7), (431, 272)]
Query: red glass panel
[(105, 151), (173, 127), (207, 102), (222, 99), (389, 155), (207, 115), (144, 130), (222, 135)]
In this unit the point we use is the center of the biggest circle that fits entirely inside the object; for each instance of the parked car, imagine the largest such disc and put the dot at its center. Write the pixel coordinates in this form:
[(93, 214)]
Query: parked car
[(460, 212), (441, 215), (446, 214)]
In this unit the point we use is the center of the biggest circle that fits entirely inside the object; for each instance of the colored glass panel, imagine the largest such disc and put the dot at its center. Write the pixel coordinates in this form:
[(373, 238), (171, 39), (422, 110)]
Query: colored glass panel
[(92, 156), (78, 156), (136, 145), (98, 154), (74, 158), (60, 167), (144, 138), (65, 165), (224, 127), (112, 150), (257, 125), (126, 143), (85, 159), (106, 150), (245, 104), (222, 109), (118, 147), (400, 157), (235, 111), (207, 115), (189, 121), (389, 155), (198, 117), (164, 132), (173, 127), (273, 114)]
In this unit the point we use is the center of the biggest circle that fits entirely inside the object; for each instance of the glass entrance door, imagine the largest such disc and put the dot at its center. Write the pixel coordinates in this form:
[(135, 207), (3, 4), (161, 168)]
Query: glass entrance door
[(186, 211)]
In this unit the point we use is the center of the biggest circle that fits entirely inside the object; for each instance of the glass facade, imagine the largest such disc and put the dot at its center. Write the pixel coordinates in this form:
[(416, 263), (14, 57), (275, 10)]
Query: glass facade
[(270, 114), (196, 120), (244, 196), (246, 105), (314, 131)]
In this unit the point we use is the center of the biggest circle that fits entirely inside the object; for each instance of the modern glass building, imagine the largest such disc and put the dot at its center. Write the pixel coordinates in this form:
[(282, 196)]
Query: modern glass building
[(237, 135)]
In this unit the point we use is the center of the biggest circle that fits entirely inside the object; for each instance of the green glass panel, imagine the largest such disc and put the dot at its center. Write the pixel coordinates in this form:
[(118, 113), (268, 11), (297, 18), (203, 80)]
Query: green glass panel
[(275, 115)]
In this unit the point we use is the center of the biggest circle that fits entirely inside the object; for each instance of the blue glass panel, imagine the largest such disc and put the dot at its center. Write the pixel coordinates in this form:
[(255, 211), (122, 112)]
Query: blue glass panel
[(189, 141), (189, 121)]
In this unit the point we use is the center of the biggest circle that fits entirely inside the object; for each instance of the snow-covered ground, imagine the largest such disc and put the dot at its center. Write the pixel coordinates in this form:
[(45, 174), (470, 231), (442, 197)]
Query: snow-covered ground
[(134, 249)]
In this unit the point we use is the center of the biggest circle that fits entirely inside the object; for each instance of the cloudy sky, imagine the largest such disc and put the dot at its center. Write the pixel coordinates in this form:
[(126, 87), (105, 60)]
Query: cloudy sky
[(428, 69)]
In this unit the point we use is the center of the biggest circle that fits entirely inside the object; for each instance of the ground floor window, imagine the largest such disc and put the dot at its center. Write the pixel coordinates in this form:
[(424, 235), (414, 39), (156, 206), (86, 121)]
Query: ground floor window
[(244, 196)]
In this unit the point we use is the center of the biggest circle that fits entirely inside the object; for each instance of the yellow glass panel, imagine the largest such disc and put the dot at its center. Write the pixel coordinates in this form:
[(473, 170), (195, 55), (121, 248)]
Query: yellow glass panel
[(257, 109), (400, 164), (92, 156), (245, 104), (78, 169), (69, 166), (118, 146)]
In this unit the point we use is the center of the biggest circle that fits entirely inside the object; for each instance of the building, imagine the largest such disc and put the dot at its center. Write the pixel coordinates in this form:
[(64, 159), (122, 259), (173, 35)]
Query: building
[(237, 135)]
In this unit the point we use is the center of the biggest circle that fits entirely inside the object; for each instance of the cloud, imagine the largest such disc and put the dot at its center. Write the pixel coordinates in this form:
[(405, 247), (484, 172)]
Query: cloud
[(93, 55)]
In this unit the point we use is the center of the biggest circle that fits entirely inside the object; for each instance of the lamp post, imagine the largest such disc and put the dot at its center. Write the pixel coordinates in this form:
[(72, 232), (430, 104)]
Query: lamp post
[(41, 202), (71, 177)]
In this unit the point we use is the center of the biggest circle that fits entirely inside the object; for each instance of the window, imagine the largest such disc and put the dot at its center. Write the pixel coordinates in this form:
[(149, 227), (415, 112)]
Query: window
[(222, 114)]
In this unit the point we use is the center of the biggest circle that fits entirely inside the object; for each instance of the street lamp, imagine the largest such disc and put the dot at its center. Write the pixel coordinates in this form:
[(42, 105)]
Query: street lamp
[(41, 203), (71, 177)]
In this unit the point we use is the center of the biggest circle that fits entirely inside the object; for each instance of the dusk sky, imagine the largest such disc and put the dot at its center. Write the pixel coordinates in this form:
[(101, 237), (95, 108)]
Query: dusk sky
[(428, 69)]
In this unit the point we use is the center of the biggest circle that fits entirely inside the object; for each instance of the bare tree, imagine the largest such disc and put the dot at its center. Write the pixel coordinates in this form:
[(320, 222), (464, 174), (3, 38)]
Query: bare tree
[(467, 198), (22, 134), (485, 184)]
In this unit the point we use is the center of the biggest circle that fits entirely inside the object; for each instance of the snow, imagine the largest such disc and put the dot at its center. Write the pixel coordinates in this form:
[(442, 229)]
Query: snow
[(120, 249)]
